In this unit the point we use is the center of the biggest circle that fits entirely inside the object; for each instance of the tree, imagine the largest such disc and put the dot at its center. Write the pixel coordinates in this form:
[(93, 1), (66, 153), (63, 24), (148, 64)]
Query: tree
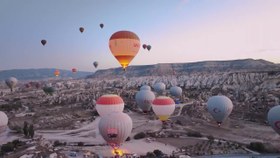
[(31, 131), (158, 153), (25, 128), (150, 155), (140, 135)]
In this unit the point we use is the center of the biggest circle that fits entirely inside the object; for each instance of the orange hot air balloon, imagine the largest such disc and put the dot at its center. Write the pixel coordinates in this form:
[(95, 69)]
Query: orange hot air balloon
[(74, 70), (124, 45), (56, 73)]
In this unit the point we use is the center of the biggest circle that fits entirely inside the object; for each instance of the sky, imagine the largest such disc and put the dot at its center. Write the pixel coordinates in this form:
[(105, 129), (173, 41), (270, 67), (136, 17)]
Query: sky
[(179, 31)]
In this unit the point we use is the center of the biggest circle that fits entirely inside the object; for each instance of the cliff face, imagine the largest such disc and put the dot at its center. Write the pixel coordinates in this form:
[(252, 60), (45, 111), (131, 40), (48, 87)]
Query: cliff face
[(246, 65)]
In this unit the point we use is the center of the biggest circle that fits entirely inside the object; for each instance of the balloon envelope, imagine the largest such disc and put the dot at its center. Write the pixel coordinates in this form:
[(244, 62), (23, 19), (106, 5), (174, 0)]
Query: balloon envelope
[(145, 87), (124, 45), (144, 46), (74, 70), (273, 118), (115, 128), (95, 64), (81, 29), (144, 99), (56, 73), (159, 87), (176, 91), (43, 42), (163, 107), (109, 103), (11, 82), (3, 121), (101, 25), (149, 47), (219, 107)]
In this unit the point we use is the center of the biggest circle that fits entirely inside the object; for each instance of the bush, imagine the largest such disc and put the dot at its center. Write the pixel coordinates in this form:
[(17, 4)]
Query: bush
[(150, 155), (158, 153), (56, 143), (256, 146), (80, 144), (9, 147), (140, 135), (210, 138), (194, 134), (127, 139)]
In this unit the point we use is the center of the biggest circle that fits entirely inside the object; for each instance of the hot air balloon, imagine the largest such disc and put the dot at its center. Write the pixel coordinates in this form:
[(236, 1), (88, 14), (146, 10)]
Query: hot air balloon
[(56, 73), (115, 128), (176, 91), (145, 87), (81, 29), (159, 87), (95, 64), (219, 107), (3, 121), (163, 107), (11, 83), (273, 118), (149, 47), (101, 25), (109, 103), (49, 90), (43, 42), (144, 46), (144, 99), (74, 70), (124, 45)]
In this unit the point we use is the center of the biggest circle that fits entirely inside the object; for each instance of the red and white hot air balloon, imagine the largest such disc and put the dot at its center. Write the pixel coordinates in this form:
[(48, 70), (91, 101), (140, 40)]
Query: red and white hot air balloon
[(163, 107), (109, 103)]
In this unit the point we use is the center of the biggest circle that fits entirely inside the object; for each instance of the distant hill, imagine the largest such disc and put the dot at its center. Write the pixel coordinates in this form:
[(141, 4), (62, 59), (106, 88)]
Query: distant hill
[(39, 74), (243, 65)]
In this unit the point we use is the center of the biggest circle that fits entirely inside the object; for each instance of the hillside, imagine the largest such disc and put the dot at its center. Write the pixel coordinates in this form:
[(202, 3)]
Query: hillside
[(244, 65), (39, 74)]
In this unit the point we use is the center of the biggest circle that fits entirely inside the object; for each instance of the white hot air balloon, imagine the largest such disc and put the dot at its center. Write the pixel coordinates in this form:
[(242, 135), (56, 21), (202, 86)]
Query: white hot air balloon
[(163, 107), (159, 87), (219, 107), (11, 82), (145, 87), (144, 99), (115, 128), (109, 103), (176, 91), (273, 118), (3, 121)]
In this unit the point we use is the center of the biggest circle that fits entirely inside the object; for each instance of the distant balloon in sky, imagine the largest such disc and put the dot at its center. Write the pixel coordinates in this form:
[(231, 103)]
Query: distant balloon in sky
[(81, 29), (109, 103), (124, 45), (3, 121), (159, 87), (144, 46), (95, 64), (115, 128), (163, 107), (74, 70), (11, 83), (273, 118), (101, 25), (56, 73), (219, 107), (149, 47), (44, 42), (144, 99)]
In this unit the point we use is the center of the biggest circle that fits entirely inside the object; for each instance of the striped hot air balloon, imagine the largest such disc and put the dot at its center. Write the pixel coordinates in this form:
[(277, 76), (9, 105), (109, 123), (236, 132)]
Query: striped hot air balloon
[(273, 117), (124, 45), (163, 107), (109, 103), (3, 121)]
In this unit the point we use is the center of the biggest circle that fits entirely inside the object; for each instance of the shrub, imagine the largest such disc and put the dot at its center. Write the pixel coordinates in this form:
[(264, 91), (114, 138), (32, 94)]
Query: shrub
[(194, 134), (80, 144), (140, 135), (158, 153), (256, 146)]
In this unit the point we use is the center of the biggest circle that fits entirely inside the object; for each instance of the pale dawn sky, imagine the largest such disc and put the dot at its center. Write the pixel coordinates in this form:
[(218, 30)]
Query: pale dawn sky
[(177, 30)]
